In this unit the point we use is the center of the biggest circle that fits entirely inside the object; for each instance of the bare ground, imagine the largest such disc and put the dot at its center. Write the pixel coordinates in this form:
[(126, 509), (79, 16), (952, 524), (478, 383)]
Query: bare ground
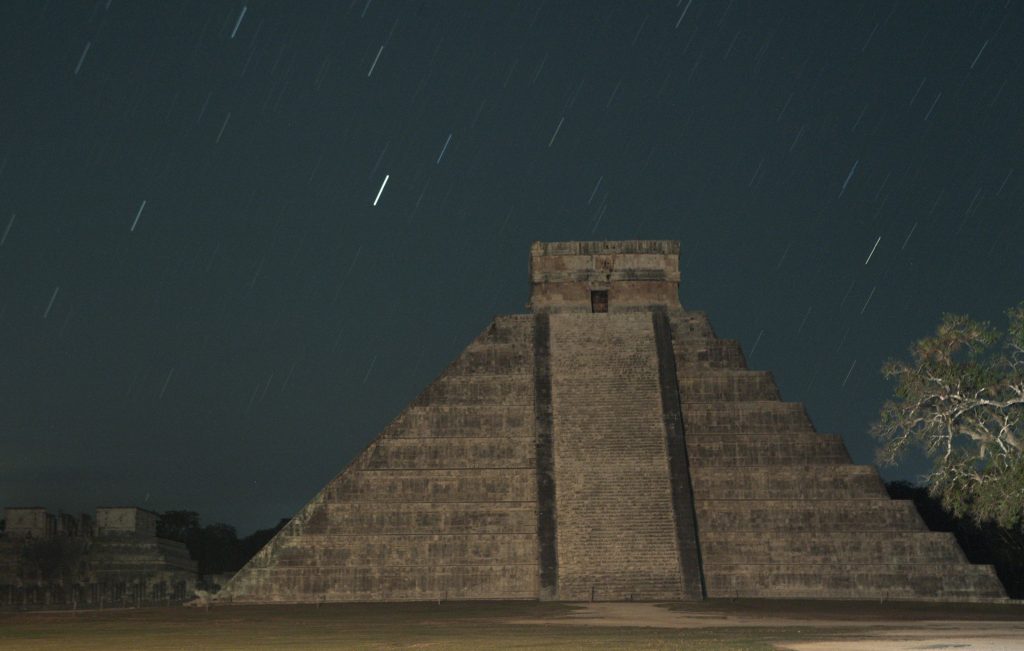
[(847, 625), (712, 625)]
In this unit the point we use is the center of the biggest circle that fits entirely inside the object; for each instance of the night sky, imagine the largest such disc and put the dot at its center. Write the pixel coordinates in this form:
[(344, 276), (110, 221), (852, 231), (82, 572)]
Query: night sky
[(202, 308)]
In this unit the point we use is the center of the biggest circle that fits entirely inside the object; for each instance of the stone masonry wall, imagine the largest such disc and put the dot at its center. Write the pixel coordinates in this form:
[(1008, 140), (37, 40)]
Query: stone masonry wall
[(781, 510), (442, 505), (635, 274)]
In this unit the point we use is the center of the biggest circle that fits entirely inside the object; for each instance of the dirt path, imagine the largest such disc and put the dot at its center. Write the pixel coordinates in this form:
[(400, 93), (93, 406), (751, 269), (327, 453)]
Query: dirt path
[(914, 640), (858, 634), (655, 615)]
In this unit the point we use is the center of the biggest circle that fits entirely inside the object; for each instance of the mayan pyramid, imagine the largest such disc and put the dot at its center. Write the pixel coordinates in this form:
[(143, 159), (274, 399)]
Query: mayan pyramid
[(605, 446)]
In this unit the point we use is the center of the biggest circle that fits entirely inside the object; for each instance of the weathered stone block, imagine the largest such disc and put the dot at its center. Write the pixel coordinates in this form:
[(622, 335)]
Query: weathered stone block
[(437, 420), (690, 325), (800, 448), (769, 516), (788, 483), (492, 359), (727, 386), (419, 518), (706, 353), (751, 417), (418, 485), (376, 583), (458, 452), (504, 389), (823, 548), (839, 580), (353, 550)]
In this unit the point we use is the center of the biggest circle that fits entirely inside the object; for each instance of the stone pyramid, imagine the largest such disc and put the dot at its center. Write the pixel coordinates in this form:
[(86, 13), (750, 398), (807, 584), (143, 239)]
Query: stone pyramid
[(605, 446)]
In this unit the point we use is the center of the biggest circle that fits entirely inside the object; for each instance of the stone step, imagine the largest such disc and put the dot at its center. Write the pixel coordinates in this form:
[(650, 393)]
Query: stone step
[(459, 452), (788, 483), (501, 389), (609, 408), (426, 421), (515, 328), (397, 550), (586, 325), (609, 375), (801, 448), (375, 583), (726, 385), (770, 516), (493, 359), (501, 485), (700, 353), (748, 416), (854, 581), (623, 586), (828, 548), (690, 324), (420, 518)]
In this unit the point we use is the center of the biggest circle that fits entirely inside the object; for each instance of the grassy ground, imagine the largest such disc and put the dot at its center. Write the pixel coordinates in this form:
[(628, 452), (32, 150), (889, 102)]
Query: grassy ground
[(363, 626)]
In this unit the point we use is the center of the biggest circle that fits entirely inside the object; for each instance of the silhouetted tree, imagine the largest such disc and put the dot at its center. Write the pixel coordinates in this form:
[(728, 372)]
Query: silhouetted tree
[(219, 548), (961, 401), (216, 547), (177, 525), (257, 539)]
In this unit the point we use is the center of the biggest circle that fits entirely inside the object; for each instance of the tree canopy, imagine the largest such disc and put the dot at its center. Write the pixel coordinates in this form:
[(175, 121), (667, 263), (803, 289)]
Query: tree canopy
[(216, 547), (960, 399)]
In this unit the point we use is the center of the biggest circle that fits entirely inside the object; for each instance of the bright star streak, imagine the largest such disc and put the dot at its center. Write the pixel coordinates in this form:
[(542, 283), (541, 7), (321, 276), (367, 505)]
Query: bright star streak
[(386, 177)]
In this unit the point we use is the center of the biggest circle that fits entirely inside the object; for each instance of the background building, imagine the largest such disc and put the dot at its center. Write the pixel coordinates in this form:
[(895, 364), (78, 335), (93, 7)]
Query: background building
[(113, 560)]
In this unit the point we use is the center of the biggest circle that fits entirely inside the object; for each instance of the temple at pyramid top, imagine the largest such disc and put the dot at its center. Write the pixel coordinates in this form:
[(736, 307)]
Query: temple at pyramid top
[(620, 276)]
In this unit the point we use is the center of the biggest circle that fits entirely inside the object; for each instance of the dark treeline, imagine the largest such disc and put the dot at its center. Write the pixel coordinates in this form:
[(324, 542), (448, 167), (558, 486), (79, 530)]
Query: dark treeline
[(986, 543), (216, 547)]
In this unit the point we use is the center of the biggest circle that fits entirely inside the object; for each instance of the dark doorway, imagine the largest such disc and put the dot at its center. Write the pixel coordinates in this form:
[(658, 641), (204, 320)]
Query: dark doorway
[(599, 300)]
